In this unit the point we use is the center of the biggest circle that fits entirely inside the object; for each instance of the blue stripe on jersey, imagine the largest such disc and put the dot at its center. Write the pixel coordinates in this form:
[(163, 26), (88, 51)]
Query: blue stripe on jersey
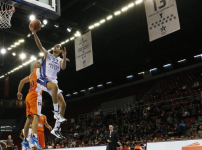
[(43, 68)]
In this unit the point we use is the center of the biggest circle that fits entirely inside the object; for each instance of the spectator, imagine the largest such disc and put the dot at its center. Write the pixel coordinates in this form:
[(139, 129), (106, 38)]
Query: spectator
[(200, 132), (57, 146), (159, 128), (9, 143), (82, 144), (168, 130), (185, 113), (177, 129), (191, 132), (74, 144), (96, 142), (16, 147)]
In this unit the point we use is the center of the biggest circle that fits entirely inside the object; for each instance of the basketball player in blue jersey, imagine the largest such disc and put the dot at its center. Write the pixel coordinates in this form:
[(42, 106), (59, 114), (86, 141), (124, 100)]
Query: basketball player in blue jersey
[(50, 68)]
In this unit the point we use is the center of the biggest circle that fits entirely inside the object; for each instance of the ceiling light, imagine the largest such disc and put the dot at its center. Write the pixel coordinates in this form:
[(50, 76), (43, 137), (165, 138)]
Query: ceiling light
[(68, 95), (138, 1), (75, 93), (198, 56), (97, 24), (45, 22), (67, 41), (69, 29), (17, 43), (62, 43), (9, 48), (14, 54), (32, 17), (129, 77), (109, 17), (167, 65), (20, 66), (153, 69), (130, 5), (141, 73), (56, 25), (22, 56), (110, 82), (21, 41), (91, 88), (71, 38), (28, 35), (182, 60), (77, 34), (33, 58), (3, 51), (102, 21), (91, 27), (124, 9), (13, 46), (42, 25), (117, 13), (82, 91), (41, 54), (100, 85)]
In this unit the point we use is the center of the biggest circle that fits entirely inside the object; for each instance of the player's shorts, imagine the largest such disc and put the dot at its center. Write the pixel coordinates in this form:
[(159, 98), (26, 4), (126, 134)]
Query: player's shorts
[(43, 82), (33, 103), (40, 135)]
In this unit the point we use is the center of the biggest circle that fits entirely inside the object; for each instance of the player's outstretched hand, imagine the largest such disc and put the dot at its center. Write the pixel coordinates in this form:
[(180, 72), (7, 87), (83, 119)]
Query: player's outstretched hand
[(32, 29), (50, 128), (19, 95)]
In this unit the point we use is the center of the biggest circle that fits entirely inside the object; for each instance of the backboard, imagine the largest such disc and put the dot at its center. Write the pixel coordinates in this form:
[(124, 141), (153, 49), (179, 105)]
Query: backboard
[(47, 8)]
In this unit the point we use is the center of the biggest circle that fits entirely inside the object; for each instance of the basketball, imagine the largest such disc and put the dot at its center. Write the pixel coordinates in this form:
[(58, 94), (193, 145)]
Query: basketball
[(36, 24)]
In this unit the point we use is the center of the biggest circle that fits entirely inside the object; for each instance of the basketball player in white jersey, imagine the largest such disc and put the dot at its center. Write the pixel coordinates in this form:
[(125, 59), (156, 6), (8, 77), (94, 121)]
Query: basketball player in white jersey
[(28, 137), (50, 68)]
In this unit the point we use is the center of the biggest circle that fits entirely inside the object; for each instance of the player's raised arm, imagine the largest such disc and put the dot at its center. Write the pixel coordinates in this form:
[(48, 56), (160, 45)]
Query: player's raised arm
[(21, 85), (38, 43), (63, 61)]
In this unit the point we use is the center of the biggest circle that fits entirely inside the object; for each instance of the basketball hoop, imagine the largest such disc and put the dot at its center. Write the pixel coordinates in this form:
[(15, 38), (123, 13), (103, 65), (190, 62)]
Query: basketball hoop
[(6, 12)]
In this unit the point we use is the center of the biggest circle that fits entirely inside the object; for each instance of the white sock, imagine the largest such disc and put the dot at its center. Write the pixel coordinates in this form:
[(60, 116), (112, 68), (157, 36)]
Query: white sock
[(35, 135), (55, 106), (57, 124)]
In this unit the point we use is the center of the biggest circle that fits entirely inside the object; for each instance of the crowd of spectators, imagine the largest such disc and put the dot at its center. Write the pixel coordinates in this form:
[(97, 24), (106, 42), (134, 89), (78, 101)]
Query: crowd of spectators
[(149, 123)]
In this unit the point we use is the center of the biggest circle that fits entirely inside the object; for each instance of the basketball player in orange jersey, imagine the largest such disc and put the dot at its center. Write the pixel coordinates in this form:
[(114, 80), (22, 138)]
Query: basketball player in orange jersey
[(33, 105), (50, 68), (40, 132)]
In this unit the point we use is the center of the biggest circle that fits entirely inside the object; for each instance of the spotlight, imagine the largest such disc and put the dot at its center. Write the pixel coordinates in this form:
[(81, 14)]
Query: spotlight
[(33, 58), (124, 9), (109, 17), (91, 88), (138, 1), (56, 25), (45, 22), (14, 54), (3, 51), (153, 69), (129, 77), (21, 41), (71, 38), (77, 34), (69, 29), (32, 17), (110, 82), (41, 54), (97, 24), (167, 65), (91, 27), (75, 93), (102, 21), (27, 36), (130, 5), (9, 48), (13, 46), (17, 43), (182, 60), (68, 95), (117, 13), (22, 56)]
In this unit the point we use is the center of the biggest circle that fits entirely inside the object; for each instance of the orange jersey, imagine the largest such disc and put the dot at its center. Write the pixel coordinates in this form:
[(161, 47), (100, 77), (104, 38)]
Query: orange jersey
[(33, 80), (41, 122)]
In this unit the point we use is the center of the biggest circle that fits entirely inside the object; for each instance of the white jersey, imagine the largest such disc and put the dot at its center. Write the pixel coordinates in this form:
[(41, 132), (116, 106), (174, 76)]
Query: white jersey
[(50, 67), (29, 133)]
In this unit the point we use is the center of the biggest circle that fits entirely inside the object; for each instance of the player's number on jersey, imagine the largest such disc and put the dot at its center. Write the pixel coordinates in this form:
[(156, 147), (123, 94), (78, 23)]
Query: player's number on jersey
[(31, 84), (161, 1)]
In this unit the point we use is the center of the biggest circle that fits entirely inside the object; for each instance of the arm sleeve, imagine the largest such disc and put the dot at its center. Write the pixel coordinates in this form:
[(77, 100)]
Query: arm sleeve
[(38, 73)]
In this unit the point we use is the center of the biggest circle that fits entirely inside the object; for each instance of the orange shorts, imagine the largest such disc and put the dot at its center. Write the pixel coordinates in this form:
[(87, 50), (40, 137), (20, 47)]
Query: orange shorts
[(40, 135), (33, 103)]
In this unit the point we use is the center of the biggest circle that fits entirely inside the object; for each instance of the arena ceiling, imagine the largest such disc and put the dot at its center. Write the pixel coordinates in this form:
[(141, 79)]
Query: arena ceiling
[(120, 47)]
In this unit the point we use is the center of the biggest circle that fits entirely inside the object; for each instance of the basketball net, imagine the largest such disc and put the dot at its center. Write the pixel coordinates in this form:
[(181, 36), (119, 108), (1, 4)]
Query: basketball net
[(6, 12)]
